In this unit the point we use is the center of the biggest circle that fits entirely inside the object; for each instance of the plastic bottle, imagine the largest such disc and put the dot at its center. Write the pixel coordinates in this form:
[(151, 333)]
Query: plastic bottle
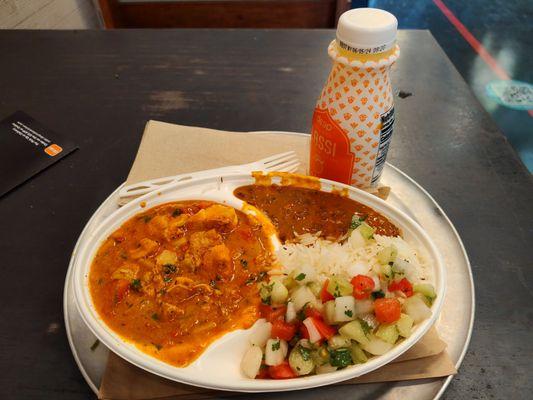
[(352, 121)]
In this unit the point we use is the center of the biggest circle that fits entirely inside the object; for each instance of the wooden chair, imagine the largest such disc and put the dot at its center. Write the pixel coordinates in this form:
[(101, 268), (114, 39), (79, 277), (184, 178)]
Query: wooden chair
[(222, 13)]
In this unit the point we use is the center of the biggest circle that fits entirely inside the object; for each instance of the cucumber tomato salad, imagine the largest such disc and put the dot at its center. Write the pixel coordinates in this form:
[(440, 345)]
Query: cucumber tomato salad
[(318, 323)]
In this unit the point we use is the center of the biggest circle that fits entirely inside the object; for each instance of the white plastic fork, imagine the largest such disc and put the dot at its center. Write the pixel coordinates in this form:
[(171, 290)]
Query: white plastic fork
[(283, 162)]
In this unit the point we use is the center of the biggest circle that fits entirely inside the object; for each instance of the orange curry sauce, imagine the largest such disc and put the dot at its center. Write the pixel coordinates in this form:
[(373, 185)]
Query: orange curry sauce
[(301, 210), (176, 277)]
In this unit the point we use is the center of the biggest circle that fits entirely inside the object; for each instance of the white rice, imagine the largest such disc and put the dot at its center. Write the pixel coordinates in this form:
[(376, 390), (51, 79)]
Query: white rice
[(319, 258)]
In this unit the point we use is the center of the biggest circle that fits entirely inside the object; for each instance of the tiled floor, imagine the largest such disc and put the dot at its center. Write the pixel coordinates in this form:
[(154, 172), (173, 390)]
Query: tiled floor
[(504, 28)]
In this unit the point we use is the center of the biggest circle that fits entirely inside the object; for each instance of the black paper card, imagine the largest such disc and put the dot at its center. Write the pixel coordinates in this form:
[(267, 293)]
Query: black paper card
[(27, 147)]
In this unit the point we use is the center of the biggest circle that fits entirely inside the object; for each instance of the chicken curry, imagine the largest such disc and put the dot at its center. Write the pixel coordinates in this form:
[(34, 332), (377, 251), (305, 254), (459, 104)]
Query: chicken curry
[(176, 277)]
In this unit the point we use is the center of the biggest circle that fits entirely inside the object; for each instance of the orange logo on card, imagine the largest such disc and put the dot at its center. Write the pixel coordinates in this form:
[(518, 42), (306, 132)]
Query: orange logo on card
[(53, 150)]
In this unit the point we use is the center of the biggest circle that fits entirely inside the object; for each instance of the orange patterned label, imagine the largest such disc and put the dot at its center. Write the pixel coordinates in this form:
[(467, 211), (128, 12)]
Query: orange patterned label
[(331, 157)]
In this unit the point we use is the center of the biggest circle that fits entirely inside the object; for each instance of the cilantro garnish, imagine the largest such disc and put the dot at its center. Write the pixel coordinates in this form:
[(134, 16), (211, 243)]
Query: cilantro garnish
[(300, 277), (135, 284), (276, 345), (348, 313)]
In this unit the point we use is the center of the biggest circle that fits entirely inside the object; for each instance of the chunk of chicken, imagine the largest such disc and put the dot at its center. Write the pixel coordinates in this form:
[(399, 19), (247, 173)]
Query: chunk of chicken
[(146, 247), (217, 256), (127, 271), (167, 257), (214, 216)]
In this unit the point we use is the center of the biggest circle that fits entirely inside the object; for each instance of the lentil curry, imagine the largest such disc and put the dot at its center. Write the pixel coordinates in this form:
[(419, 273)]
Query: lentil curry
[(302, 210)]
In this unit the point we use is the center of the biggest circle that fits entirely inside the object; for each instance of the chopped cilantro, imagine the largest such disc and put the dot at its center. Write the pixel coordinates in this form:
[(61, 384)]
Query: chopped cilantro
[(244, 263), (305, 353), (377, 295), (147, 218), (157, 346), (276, 345), (135, 284), (301, 314), (300, 276), (177, 212), (340, 357), (155, 317), (167, 279), (348, 313), (169, 268), (356, 221)]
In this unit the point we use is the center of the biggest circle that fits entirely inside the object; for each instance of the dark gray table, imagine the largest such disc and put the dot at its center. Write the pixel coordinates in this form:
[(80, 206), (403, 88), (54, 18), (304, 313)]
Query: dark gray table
[(100, 87)]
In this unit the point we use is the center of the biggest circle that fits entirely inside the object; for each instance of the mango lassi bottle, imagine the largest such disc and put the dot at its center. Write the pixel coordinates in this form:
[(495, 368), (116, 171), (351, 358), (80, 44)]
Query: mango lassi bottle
[(353, 118)]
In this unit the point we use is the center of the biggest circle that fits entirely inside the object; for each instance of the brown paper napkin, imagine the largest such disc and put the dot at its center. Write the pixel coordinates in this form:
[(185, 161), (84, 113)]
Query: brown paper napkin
[(168, 149)]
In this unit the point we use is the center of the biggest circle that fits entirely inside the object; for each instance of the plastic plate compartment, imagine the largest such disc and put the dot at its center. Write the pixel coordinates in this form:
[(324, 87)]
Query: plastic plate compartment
[(219, 366)]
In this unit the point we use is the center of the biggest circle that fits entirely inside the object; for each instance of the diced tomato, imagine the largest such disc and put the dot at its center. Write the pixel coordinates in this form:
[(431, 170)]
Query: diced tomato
[(325, 330), (304, 333), (362, 286), (387, 310), (281, 371), (282, 330), (324, 294), (311, 311), (403, 286), (272, 313), (246, 233), (263, 372), (121, 289)]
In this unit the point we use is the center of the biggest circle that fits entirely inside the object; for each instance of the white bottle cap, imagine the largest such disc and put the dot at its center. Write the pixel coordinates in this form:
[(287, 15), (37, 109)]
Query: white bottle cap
[(367, 30)]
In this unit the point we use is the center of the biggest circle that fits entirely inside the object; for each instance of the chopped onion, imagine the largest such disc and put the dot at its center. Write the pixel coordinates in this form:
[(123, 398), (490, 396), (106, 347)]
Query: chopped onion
[(314, 335), (363, 306), (251, 362), (260, 333), (275, 351), (290, 315)]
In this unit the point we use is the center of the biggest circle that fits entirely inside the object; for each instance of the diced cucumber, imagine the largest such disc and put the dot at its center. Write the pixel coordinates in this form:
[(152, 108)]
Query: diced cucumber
[(338, 341), (300, 360), (386, 270), (376, 346), (388, 332), (387, 254), (416, 308), (344, 309), (279, 293), (427, 290), (354, 330), (363, 307), (366, 230), (301, 296), (315, 288), (329, 312), (358, 355), (320, 355), (404, 325), (289, 281), (325, 369), (339, 286), (265, 291)]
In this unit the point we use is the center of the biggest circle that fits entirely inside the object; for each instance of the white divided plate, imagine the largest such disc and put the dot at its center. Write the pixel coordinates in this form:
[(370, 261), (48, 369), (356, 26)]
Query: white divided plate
[(219, 366)]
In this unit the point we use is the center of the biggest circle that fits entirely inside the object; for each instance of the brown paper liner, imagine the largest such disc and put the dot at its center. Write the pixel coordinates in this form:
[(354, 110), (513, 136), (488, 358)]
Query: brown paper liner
[(168, 149)]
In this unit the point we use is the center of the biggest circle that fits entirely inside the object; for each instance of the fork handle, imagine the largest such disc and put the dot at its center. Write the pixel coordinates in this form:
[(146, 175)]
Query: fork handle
[(138, 189)]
